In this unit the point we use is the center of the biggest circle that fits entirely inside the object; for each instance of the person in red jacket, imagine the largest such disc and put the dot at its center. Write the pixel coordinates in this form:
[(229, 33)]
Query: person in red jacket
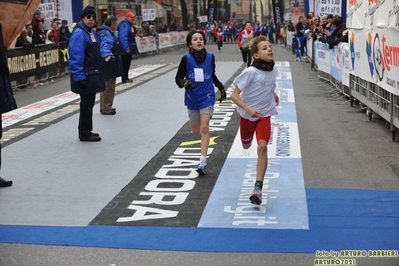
[(219, 35), (53, 31), (214, 33), (243, 41)]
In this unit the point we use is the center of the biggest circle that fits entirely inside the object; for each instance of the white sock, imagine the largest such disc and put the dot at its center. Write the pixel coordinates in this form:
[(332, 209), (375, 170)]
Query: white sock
[(203, 159)]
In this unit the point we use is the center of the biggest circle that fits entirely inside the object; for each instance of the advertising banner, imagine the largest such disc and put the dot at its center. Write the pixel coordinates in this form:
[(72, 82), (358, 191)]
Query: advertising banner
[(374, 49), (212, 4), (296, 12), (174, 38), (336, 63), (149, 14), (323, 57), (325, 7), (182, 37), (39, 60), (278, 10), (50, 12), (164, 40), (346, 64)]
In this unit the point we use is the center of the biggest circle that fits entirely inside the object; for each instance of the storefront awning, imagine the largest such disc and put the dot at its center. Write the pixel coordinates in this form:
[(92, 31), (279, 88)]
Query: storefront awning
[(160, 12), (176, 14)]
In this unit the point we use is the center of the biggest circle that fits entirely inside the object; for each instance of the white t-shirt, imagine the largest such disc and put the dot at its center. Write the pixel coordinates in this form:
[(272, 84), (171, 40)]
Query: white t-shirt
[(257, 91)]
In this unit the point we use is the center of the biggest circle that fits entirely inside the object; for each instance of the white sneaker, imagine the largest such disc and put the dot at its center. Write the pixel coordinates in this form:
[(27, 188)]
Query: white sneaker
[(201, 168), (246, 152)]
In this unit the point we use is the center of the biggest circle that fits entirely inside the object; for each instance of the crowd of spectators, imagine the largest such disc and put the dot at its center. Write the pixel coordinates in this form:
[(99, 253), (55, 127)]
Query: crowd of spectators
[(327, 29)]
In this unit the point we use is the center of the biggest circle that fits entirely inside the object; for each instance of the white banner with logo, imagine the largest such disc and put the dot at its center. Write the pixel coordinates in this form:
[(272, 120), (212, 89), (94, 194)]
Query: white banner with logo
[(322, 53), (346, 63), (146, 44), (149, 14), (49, 12), (374, 48), (171, 39), (328, 7)]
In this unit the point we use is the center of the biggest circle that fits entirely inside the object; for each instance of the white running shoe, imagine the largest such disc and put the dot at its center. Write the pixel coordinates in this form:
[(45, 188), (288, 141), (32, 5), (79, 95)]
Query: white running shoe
[(256, 197)]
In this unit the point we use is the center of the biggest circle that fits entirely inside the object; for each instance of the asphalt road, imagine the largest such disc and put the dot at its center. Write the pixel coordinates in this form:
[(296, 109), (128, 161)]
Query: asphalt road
[(340, 148)]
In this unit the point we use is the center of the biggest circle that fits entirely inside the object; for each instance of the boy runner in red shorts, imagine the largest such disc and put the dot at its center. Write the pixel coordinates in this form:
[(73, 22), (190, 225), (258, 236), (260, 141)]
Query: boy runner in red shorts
[(256, 102)]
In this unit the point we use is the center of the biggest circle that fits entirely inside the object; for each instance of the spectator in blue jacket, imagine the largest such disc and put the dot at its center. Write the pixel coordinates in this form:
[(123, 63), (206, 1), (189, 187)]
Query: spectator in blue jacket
[(257, 28), (127, 43), (263, 29), (270, 31), (85, 69), (111, 63)]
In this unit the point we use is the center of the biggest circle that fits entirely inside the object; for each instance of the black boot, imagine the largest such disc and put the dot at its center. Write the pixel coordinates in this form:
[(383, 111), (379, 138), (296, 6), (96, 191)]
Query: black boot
[(4, 183)]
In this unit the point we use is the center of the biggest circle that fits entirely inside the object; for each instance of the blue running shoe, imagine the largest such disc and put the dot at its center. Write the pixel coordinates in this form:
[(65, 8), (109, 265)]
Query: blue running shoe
[(201, 169)]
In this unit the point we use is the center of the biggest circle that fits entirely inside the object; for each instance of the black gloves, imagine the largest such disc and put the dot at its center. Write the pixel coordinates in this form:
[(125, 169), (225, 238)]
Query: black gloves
[(187, 84), (81, 85), (222, 92)]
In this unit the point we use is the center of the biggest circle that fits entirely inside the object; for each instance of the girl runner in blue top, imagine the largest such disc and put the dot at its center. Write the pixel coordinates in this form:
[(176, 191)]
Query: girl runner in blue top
[(196, 73)]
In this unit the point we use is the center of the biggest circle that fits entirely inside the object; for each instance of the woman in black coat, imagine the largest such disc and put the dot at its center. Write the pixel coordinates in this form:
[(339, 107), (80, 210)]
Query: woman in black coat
[(39, 37), (340, 33)]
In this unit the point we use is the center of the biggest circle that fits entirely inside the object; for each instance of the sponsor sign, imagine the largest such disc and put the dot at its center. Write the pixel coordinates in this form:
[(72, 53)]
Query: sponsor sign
[(203, 19), (53, 12), (346, 63), (146, 44), (172, 194), (322, 53), (38, 60), (375, 57), (325, 7), (149, 14)]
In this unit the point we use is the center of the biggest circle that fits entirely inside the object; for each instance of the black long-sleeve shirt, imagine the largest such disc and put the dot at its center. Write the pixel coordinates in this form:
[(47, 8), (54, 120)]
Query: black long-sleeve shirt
[(181, 71)]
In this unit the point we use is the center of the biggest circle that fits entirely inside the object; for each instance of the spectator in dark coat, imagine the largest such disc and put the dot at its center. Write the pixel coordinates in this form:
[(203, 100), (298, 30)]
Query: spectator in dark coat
[(22, 40), (7, 100), (39, 37), (64, 34), (340, 33)]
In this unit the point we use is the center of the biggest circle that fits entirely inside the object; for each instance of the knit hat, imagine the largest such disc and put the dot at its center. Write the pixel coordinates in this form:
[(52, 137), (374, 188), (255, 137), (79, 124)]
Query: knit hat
[(89, 10), (130, 15)]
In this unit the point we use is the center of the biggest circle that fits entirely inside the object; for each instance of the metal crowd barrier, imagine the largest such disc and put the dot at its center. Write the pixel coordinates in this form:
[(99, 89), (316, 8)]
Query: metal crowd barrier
[(335, 67)]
